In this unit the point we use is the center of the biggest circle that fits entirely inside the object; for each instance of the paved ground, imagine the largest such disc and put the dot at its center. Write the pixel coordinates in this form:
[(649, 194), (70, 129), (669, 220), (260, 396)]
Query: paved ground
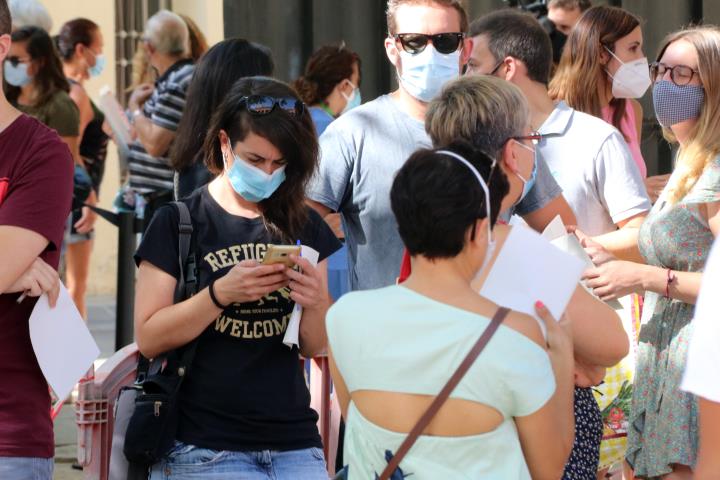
[(101, 319)]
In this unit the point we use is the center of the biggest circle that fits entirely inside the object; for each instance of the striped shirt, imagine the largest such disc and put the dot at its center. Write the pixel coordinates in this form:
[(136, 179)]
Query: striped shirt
[(164, 108)]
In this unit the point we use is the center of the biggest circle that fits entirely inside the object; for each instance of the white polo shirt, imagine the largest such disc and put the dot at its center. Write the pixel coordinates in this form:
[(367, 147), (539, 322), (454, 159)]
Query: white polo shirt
[(701, 371), (592, 163)]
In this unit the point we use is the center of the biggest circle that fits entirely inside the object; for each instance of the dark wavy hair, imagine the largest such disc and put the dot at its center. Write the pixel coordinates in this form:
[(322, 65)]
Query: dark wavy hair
[(220, 67), (50, 77), (285, 211), (328, 66), (72, 33), (436, 199)]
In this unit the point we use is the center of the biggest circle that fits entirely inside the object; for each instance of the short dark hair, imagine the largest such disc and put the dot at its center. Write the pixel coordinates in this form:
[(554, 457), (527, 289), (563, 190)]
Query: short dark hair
[(216, 72), (284, 212), (328, 66), (511, 33), (72, 33), (5, 18), (582, 5), (436, 199)]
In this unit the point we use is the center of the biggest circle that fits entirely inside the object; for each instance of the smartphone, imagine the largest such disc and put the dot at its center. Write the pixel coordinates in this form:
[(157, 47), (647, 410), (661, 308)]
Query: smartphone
[(281, 254)]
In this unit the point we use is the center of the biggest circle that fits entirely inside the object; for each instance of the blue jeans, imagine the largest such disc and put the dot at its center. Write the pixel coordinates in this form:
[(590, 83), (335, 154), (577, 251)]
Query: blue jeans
[(188, 462), (26, 468)]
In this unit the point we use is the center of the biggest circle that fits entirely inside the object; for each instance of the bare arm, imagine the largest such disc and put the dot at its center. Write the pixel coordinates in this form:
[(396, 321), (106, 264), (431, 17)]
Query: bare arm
[(161, 325), (593, 319), (155, 140), (310, 290), (618, 278), (539, 219), (20, 247), (623, 243), (555, 419), (82, 100)]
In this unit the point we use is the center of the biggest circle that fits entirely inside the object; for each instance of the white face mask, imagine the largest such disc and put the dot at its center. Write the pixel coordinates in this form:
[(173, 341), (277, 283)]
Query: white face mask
[(491, 239), (632, 79)]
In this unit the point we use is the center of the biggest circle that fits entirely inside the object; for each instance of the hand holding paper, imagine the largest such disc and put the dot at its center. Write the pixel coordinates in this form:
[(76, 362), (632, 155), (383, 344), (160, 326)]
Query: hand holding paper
[(292, 334), (63, 345), (557, 234), (528, 269)]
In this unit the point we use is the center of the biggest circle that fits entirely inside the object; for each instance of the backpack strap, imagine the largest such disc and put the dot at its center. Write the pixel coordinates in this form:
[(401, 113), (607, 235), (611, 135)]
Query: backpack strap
[(186, 287)]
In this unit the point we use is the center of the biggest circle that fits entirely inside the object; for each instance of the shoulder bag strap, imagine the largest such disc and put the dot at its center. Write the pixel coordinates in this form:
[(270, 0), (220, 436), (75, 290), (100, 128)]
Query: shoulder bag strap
[(444, 394)]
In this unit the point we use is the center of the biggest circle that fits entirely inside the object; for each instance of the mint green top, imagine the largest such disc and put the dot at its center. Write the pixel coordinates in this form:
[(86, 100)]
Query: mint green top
[(396, 340)]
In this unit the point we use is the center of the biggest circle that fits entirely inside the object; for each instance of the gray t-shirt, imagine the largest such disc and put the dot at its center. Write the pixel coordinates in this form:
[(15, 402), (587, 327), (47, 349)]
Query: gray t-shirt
[(360, 154)]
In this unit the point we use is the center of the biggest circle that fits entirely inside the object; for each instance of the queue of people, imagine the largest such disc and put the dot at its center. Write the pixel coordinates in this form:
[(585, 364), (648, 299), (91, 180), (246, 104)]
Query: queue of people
[(408, 200)]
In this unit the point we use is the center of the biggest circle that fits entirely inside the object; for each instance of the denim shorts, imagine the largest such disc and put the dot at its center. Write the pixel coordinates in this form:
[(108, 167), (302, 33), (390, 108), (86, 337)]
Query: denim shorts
[(194, 463), (26, 468)]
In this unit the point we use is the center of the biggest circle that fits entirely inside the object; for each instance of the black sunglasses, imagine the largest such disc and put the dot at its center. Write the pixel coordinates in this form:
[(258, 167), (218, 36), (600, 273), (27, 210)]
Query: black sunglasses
[(264, 104), (443, 42)]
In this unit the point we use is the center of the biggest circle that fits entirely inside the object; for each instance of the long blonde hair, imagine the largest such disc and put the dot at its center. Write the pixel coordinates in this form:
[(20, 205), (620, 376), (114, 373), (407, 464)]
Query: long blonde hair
[(581, 75), (703, 143)]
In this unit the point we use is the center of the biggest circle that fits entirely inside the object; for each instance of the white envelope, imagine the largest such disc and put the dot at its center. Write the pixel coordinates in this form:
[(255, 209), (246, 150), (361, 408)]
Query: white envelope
[(528, 269), (292, 334), (63, 345)]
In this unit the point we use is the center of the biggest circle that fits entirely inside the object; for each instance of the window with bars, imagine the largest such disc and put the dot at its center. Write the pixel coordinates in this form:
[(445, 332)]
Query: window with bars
[(130, 18)]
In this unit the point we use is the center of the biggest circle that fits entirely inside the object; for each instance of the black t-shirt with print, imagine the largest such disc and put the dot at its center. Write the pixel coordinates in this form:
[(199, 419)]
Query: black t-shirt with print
[(245, 389)]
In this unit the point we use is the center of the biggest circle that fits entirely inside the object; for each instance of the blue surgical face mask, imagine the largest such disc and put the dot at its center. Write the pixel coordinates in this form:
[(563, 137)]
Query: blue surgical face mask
[(675, 104), (529, 183), (16, 75), (97, 69), (425, 73), (251, 183), (353, 100)]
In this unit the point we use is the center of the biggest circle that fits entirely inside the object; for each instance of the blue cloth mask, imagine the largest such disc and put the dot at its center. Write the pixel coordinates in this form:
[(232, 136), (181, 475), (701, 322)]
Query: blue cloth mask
[(675, 103), (251, 183), (353, 100), (529, 183), (97, 69), (425, 73), (16, 75)]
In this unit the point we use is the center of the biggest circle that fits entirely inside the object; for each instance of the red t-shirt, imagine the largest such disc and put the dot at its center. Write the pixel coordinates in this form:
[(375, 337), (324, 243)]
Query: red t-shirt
[(36, 181)]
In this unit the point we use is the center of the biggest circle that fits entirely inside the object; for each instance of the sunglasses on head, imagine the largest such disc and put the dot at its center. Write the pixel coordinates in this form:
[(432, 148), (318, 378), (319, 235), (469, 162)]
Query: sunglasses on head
[(264, 104), (443, 42)]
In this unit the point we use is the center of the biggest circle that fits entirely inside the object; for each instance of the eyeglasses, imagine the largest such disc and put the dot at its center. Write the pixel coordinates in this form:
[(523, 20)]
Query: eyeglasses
[(534, 137), (443, 42), (679, 74), (264, 105)]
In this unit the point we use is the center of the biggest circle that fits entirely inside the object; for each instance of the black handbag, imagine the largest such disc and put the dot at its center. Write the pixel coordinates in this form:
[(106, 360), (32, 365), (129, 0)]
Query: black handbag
[(153, 423)]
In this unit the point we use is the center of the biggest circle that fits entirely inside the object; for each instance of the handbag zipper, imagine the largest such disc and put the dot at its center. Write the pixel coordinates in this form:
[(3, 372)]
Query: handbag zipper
[(158, 404)]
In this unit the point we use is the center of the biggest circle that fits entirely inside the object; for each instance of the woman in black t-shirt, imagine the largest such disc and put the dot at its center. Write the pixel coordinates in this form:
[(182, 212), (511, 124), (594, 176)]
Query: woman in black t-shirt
[(244, 406)]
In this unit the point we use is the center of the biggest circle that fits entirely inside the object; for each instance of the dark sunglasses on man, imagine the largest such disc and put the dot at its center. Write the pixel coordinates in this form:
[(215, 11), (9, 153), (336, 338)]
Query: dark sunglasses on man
[(444, 43), (263, 105)]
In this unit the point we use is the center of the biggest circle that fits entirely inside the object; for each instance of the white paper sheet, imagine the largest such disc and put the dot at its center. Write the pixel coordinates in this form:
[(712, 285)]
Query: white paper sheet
[(555, 229), (529, 269), (292, 334), (63, 345), (116, 118), (569, 243)]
